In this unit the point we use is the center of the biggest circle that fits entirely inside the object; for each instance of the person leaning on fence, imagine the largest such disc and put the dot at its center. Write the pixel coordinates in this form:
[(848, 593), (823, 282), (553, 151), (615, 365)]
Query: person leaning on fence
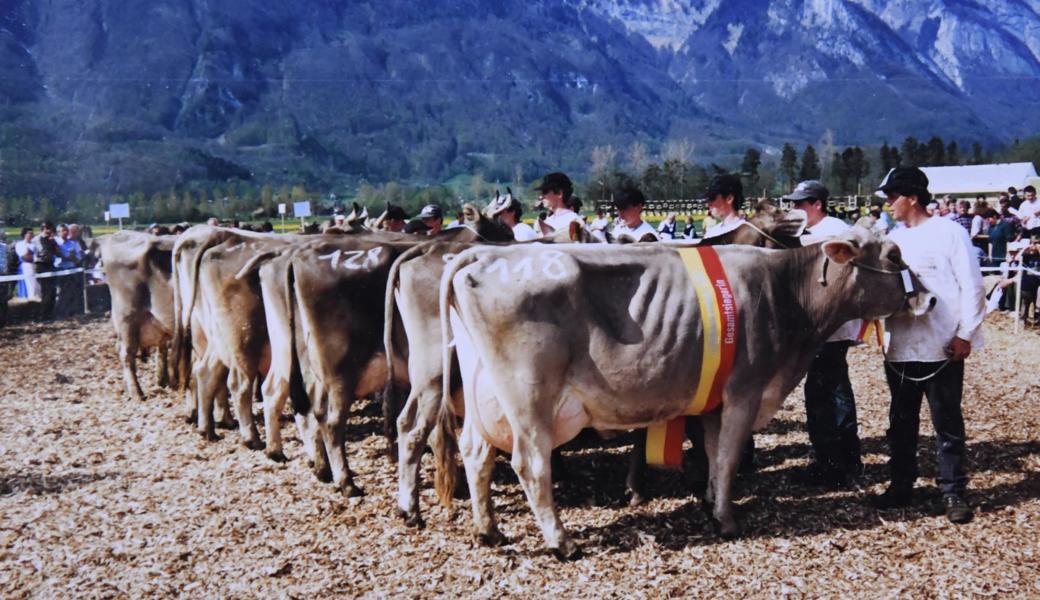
[(70, 287), (830, 405), (25, 254), (926, 354)]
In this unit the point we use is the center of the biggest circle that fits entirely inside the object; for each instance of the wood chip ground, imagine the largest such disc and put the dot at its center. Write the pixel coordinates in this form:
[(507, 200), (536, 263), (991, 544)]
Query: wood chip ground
[(104, 498)]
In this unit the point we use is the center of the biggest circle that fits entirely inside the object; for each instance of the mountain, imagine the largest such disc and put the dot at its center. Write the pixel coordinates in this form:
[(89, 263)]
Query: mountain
[(108, 96)]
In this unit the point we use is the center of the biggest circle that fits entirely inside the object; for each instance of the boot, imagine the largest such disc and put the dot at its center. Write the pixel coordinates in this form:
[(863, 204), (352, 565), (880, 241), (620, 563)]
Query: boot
[(897, 495), (957, 508)]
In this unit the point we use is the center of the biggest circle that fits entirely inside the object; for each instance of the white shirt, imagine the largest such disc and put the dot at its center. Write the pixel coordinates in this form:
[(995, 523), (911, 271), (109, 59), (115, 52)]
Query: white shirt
[(827, 228), (523, 232), (562, 218), (636, 234), (939, 252), (599, 224), (724, 227), (1027, 209), (978, 226)]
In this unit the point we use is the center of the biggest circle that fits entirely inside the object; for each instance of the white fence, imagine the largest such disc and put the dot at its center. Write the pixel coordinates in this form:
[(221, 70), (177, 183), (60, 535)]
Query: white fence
[(63, 273)]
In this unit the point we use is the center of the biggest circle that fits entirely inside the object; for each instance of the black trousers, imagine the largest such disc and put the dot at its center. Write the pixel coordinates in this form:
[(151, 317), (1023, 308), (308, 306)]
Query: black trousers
[(944, 403), (830, 411)]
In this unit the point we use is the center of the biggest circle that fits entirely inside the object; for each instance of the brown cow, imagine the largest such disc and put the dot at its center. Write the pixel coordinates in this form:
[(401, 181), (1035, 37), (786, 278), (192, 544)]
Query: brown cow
[(608, 339)]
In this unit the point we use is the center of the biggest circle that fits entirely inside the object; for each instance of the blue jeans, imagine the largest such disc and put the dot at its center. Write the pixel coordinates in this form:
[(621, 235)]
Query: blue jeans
[(904, 416), (830, 411)]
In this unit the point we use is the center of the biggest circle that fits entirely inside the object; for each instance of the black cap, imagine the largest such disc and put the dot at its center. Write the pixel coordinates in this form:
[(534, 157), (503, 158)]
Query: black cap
[(430, 211), (809, 189), (555, 181), (909, 181), (396, 213), (415, 226), (628, 197)]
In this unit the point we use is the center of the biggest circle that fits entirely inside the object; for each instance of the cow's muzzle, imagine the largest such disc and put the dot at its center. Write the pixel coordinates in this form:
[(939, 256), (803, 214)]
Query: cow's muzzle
[(920, 302)]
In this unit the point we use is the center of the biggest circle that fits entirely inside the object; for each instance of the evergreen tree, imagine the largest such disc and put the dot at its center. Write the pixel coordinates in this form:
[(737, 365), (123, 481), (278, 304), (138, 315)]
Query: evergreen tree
[(840, 172), (952, 154), (749, 168), (911, 152), (810, 168), (976, 154), (788, 167), (935, 152)]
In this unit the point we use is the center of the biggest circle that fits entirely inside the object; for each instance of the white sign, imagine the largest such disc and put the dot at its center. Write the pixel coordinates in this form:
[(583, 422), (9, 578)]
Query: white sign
[(301, 209), (119, 211), (281, 208), (108, 216)]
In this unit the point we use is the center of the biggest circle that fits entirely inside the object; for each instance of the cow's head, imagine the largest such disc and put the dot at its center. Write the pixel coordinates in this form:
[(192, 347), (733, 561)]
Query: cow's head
[(768, 227), (487, 229), (874, 271)]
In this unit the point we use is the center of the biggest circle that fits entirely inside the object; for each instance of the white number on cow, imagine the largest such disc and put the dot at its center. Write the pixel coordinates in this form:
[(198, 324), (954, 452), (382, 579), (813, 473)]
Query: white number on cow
[(353, 259), (552, 265)]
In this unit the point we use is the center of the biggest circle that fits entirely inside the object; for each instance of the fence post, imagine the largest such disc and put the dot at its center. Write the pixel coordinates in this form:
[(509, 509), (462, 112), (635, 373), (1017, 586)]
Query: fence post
[(86, 305), (1018, 296)]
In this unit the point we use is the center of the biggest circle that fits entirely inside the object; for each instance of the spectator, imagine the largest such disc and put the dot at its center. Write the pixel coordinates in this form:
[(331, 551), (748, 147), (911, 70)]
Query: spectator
[(926, 353), (725, 197), (432, 217), (25, 250), (1001, 232), (690, 229), (46, 255), (601, 222), (1029, 212), (1013, 197), (1008, 216), (69, 287), (979, 231), (629, 202), (666, 230), (1030, 259), (964, 216), (509, 211), (830, 404), (460, 220)]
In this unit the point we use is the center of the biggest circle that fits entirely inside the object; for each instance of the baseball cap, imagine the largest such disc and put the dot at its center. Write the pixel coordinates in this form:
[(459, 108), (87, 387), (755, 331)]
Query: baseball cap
[(628, 197), (809, 189), (430, 211), (396, 213), (905, 180), (555, 181), (415, 226)]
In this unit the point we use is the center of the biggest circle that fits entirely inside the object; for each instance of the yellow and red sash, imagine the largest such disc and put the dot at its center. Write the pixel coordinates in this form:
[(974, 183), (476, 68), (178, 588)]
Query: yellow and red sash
[(718, 310), (873, 334)]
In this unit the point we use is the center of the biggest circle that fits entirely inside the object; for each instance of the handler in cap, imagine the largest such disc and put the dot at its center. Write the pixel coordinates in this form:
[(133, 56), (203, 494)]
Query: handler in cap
[(830, 405), (629, 202), (430, 220), (556, 192), (926, 354), (725, 197)]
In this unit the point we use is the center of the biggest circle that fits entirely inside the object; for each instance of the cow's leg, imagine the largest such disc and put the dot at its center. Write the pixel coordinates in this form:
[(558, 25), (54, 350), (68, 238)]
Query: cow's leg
[(478, 456), (227, 418), (333, 432), (128, 347), (191, 413), (414, 424), (734, 432), (210, 381), (313, 446), (162, 374), (532, 456), (634, 482), (241, 387), (275, 390), (711, 424)]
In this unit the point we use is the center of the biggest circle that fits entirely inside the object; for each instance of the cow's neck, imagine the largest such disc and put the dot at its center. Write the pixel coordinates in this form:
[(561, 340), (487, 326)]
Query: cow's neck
[(801, 271)]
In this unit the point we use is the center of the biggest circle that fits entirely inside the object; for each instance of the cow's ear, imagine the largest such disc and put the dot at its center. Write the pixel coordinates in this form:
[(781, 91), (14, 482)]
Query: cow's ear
[(841, 251)]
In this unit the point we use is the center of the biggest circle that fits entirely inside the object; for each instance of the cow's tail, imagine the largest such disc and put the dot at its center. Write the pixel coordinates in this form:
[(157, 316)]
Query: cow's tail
[(180, 345), (301, 402), (391, 404), (172, 371), (446, 451), (254, 263)]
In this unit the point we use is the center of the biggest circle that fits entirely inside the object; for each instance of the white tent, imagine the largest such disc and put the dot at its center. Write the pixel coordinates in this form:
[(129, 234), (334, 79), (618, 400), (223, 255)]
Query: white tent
[(979, 179)]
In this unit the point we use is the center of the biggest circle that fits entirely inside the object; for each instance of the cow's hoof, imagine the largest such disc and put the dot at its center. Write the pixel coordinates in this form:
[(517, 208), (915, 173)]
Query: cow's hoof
[(636, 498), (254, 444), (350, 490), (232, 424), (277, 456), (210, 436), (728, 530), (492, 539), (412, 519), (324, 475), (568, 550), (190, 419)]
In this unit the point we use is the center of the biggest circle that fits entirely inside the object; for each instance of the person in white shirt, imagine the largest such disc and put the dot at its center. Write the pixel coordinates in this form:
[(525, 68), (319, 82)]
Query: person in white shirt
[(725, 197), (629, 202), (667, 229), (601, 222), (926, 353), (509, 211), (556, 191), (830, 405), (1029, 212)]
